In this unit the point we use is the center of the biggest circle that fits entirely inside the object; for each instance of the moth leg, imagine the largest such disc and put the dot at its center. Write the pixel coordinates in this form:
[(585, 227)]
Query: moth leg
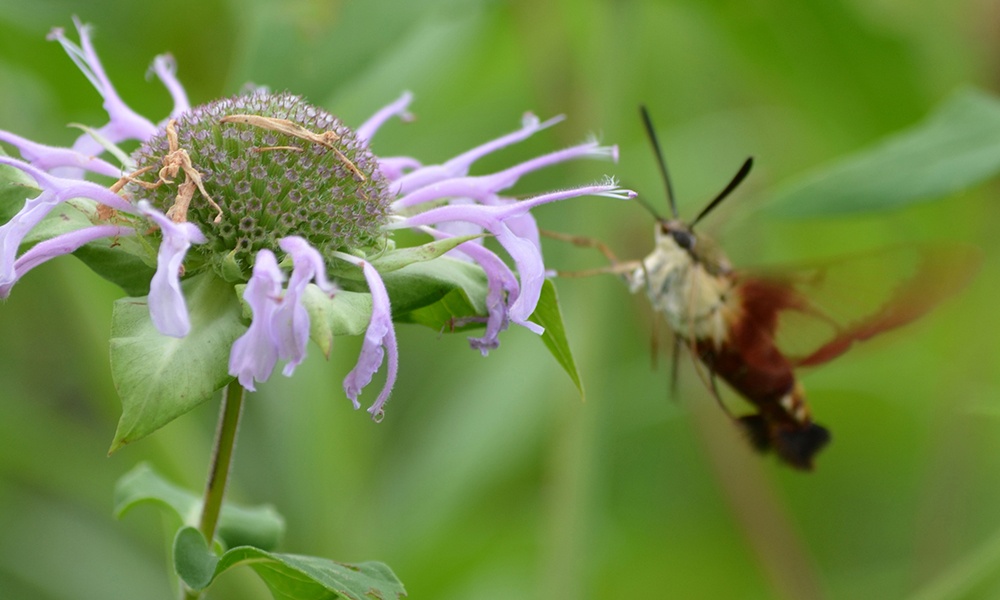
[(615, 266), (583, 242), (715, 393), (675, 360), (713, 385)]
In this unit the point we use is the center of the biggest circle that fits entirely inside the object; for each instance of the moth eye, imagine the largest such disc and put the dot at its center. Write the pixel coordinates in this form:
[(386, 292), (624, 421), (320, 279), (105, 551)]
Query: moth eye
[(684, 239)]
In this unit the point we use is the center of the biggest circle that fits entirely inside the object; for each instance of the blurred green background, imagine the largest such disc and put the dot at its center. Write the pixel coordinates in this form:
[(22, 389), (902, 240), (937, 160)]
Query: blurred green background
[(490, 478)]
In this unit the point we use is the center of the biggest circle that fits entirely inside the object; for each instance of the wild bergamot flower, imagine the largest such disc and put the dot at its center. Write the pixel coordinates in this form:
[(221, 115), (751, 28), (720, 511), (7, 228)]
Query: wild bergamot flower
[(280, 200)]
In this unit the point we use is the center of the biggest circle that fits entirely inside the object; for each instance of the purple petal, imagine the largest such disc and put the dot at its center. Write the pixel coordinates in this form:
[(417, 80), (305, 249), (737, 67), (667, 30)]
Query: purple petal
[(124, 123), (459, 166), (279, 329), (291, 320), (394, 167), (485, 187), (502, 287), (55, 190), (367, 129), (255, 353), (458, 228), (165, 68), (66, 243), (47, 158), (525, 252), (380, 334), (308, 263), (167, 308), (530, 272), (525, 226)]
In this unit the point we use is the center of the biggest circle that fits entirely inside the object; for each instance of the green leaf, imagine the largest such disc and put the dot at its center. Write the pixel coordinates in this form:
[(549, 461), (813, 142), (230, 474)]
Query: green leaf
[(158, 377), (128, 165), (548, 315), (66, 217), (397, 259), (259, 526), (288, 576), (347, 313), (437, 292), (128, 271), (956, 147), (15, 188), (193, 561)]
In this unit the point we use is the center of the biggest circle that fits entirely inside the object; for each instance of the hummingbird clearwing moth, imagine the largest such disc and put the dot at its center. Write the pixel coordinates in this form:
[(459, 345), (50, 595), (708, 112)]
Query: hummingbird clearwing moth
[(734, 321)]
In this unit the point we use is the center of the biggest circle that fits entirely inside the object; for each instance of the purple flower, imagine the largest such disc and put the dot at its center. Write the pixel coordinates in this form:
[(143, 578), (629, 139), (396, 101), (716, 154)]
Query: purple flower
[(50, 158), (279, 185), (291, 321), (55, 191), (124, 123), (166, 301), (380, 334), (256, 352), (66, 243), (523, 251)]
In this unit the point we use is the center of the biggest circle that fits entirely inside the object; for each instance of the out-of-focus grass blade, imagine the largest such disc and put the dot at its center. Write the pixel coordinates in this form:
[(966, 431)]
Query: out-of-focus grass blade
[(955, 148)]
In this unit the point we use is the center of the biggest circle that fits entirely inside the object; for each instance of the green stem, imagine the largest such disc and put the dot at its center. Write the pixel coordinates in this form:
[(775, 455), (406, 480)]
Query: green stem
[(222, 456), (225, 442)]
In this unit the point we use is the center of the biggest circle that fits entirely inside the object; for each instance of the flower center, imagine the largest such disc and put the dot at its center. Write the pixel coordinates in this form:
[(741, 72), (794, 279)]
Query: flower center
[(253, 169)]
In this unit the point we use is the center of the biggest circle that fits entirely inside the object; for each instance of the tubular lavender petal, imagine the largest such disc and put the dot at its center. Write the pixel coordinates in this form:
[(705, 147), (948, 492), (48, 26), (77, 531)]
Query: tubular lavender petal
[(397, 108), (459, 166), (124, 124), (165, 68), (66, 243), (291, 320), (255, 353), (166, 300), (482, 188), (48, 158), (380, 334)]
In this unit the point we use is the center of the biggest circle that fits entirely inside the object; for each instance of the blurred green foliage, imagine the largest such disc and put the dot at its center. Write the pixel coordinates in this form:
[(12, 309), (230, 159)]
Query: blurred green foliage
[(489, 478)]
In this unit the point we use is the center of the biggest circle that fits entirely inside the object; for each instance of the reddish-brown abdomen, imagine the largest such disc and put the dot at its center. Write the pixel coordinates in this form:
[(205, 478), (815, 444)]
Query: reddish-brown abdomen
[(750, 362)]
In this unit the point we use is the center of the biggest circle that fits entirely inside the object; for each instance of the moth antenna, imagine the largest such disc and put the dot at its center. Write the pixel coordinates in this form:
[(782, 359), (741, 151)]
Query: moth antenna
[(651, 132), (649, 207), (737, 179)]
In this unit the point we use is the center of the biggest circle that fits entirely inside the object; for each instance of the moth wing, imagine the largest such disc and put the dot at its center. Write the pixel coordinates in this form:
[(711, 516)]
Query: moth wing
[(814, 313)]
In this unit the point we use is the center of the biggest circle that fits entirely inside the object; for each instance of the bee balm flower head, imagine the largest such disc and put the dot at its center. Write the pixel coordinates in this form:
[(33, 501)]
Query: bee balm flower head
[(283, 202)]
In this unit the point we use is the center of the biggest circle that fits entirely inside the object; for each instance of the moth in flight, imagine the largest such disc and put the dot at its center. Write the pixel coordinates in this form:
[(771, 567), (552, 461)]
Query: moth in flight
[(732, 321)]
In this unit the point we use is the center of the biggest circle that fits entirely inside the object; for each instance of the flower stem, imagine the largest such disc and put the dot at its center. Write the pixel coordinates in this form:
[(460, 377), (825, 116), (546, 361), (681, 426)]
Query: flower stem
[(222, 456), (225, 442)]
